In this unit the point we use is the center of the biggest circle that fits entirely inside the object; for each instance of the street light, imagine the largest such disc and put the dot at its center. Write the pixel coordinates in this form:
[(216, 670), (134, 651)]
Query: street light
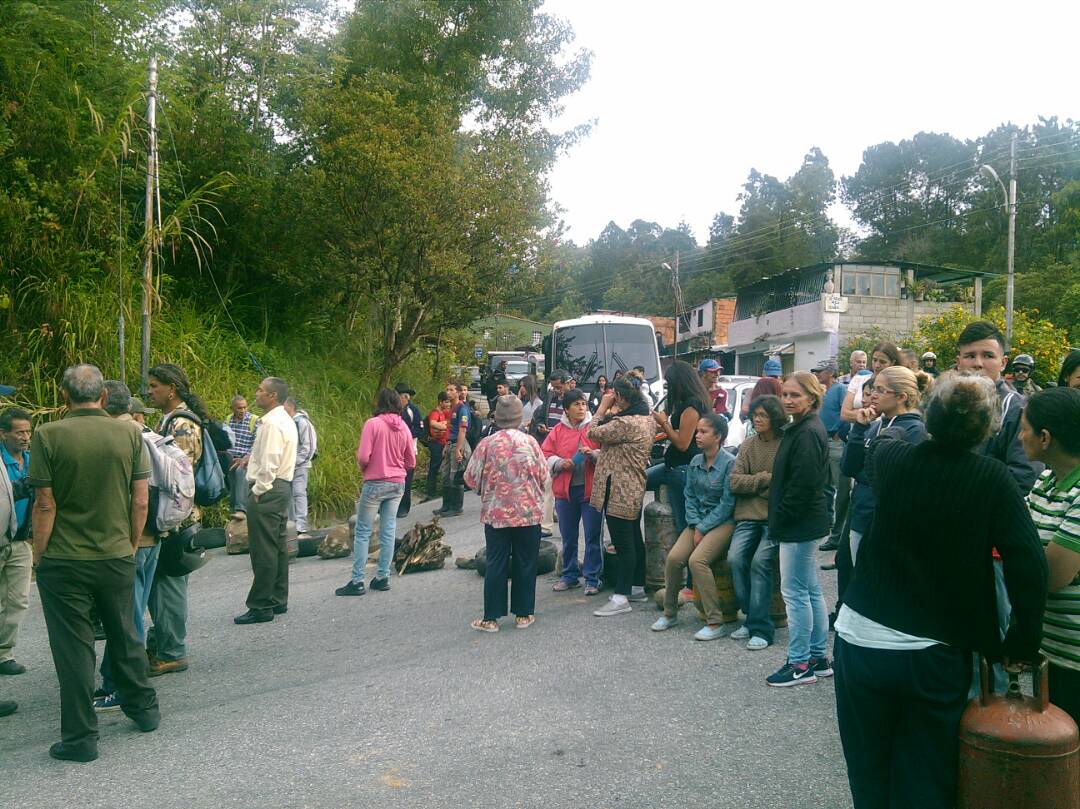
[(1010, 206)]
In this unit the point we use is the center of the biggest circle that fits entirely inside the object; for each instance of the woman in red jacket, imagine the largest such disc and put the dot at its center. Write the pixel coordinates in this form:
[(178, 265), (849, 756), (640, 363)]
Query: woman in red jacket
[(569, 452)]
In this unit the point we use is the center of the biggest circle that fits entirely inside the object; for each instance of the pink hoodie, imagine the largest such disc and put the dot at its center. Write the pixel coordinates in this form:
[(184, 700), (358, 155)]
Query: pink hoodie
[(386, 450)]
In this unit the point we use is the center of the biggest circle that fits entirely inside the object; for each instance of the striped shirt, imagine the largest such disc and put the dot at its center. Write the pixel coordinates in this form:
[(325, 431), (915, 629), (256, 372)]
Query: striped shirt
[(1056, 512), (243, 434)]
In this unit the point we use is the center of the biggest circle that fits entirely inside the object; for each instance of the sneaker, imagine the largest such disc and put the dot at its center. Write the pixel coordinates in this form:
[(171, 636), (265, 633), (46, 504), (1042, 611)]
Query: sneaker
[(638, 595), (108, 703), (710, 633), (613, 607), (380, 584), (789, 674), (828, 545), (664, 622), (353, 588), (822, 666), (545, 533), (757, 643), (742, 633), (157, 667)]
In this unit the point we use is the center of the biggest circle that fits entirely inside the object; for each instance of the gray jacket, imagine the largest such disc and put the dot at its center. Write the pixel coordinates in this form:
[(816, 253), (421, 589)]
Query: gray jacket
[(307, 446)]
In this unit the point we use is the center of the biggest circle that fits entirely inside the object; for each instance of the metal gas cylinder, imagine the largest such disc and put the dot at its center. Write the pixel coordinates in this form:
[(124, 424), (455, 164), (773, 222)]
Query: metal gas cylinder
[(1016, 751), (659, 537)]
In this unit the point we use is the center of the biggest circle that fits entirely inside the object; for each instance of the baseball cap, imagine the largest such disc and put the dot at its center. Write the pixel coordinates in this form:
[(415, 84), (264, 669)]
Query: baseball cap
[(824, 365), (708, 364), (137, 406), (773, 367)]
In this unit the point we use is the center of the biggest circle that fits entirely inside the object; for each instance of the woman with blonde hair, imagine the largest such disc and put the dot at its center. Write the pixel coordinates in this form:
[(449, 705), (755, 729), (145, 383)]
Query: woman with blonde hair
[(895, 397), (798, 520)]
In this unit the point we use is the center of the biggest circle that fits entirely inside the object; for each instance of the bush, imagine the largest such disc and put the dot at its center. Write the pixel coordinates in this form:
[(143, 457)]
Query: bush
[(1040, 338), (866, 341)]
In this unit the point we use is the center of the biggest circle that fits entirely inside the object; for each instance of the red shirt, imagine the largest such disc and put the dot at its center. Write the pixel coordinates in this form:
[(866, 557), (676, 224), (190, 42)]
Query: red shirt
[(438, 415)]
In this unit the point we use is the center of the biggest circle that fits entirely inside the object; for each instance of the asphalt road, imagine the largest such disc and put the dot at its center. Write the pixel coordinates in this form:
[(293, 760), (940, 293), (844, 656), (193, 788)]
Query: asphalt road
[(390, 699)]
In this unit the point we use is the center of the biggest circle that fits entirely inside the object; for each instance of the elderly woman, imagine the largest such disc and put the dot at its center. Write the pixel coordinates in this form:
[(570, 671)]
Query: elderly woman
[(508, 471), (623, 428), (922, 599), (1050, 433)]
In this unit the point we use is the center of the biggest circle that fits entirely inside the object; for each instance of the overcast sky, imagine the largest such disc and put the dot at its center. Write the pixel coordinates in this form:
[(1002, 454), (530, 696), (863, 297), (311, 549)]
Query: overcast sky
[(689, 95)]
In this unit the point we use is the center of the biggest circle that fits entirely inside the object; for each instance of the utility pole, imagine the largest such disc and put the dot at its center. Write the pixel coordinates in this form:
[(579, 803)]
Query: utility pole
[(149, 238), (678, 303), (1012, 243)]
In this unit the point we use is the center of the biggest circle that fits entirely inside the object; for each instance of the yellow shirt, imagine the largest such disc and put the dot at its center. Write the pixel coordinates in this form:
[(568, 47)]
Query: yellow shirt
[(273, 455)]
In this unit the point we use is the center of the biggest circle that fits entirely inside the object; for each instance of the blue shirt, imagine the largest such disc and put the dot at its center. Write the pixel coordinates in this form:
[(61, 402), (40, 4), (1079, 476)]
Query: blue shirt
[(709, 501), (830, 410), (459, 419), (22, 507)]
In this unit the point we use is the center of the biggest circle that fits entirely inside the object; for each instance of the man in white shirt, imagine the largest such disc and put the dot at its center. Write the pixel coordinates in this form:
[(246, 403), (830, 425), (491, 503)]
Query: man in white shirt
[(270, 472)]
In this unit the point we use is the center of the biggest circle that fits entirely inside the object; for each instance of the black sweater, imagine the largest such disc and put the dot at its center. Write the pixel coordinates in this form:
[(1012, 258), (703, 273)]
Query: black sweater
[(930, 573), (797, 511)]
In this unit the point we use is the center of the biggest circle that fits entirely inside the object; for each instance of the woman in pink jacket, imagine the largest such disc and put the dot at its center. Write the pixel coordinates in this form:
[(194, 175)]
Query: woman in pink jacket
[(385, 457), (570, 456)]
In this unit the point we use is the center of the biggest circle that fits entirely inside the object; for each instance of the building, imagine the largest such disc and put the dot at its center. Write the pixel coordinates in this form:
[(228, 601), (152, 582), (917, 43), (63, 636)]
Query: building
[(805, 314), (705, 326)]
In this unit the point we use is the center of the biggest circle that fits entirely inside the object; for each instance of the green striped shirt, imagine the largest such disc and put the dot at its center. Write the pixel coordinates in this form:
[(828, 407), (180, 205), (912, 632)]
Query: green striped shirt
[(1056, 512)]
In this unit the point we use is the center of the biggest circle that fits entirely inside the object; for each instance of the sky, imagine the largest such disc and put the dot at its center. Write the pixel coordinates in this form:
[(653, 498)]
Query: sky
[(688, 95)]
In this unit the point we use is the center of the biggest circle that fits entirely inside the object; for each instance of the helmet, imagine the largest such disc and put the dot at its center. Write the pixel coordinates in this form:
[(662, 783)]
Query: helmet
[(929, 355), (1024, 359), (178, 556)]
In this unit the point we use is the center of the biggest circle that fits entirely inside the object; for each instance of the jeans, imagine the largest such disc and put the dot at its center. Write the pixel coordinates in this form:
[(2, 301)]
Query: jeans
[(751, 559), (377, 497), (899, 717), (572, 511), (298, 502), (145, 564), (15, 570), (239, 489), (436, 451), (675, 479), (510, 551), (808, 617), (169, 610), (629, 553), (699, 561)]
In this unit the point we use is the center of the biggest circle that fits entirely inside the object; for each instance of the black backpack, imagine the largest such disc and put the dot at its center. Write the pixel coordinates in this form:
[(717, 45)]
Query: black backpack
[(475, 431)]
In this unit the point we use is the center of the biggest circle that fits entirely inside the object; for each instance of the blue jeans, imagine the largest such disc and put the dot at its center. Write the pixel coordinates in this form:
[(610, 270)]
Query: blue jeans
[(145, 564), (675, 479), (808, 617), (751, 559), (571, 512), (377, 497)]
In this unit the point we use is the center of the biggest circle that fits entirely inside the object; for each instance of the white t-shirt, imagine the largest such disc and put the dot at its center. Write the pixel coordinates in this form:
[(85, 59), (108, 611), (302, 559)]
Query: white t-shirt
[(855, 386), (859, 630)]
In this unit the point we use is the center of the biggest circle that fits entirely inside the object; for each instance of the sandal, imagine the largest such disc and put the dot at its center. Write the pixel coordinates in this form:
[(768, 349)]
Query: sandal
[(562, 585), (480, 625), (524, 621), (591, 589)]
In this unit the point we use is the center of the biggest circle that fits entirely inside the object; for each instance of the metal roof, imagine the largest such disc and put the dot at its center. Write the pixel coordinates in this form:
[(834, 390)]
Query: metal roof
[(942, 275)]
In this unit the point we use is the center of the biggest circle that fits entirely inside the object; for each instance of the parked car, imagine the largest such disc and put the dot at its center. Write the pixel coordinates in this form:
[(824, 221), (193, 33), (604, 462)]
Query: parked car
[(738, 392)]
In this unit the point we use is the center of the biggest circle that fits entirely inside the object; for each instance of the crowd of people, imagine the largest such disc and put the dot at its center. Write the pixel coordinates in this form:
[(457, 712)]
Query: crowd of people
[(951, 498)]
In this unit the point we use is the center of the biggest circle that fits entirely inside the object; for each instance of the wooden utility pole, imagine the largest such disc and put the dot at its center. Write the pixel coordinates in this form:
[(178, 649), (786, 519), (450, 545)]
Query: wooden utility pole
[(149, 239), (1012, 244)]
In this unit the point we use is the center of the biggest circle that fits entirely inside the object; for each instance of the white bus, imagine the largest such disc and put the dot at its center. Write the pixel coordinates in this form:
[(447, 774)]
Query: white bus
[(600, 345)]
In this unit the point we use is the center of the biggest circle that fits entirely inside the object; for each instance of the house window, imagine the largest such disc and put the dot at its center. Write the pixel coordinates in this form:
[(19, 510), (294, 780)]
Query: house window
[(871, 281), (536, 338), (700, 318)]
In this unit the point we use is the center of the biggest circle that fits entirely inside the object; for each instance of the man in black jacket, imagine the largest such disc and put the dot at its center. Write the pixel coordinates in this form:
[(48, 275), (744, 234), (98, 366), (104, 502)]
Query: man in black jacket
[(414, 419)]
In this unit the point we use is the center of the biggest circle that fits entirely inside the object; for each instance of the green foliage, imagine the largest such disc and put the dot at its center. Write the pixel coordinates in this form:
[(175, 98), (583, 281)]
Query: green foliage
[(865, 341)]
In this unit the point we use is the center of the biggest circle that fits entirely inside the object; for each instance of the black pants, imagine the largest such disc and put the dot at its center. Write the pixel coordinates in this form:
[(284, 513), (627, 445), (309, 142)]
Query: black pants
[(1065, 690), (406, 498), (266, 544), (510, 551), (629, 553), (899, 716), (436, 451), (845, 568), (68, 589)]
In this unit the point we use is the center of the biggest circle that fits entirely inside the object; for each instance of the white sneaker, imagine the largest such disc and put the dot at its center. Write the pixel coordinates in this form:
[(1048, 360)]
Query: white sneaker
[(710, 633), (757, 643), (742, 633), (664, 622), (638, 594), (613, 607)]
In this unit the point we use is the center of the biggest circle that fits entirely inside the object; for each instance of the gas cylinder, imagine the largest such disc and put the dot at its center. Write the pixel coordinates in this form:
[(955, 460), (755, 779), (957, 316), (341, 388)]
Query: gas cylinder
[(659, 536), (1016, 751)]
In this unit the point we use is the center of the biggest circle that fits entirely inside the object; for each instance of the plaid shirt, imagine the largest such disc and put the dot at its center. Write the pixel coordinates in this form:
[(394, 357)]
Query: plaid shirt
[(243, 434)]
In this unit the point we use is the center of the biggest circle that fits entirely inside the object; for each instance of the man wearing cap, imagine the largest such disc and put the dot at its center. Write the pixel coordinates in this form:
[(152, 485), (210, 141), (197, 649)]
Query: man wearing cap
[(307, 447), (929, 363), (709, 371), (139, 411), (414, 420), (1022, 382), (772, 368)]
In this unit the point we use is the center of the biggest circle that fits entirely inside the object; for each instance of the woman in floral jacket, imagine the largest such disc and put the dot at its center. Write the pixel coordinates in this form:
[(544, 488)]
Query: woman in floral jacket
[(508, 471), (623, 427)]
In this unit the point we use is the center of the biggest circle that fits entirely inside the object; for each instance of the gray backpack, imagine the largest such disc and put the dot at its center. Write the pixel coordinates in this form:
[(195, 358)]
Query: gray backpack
[(172, 482)]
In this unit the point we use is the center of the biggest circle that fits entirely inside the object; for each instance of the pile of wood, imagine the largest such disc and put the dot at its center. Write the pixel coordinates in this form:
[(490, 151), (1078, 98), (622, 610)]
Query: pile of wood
[(421, 548)]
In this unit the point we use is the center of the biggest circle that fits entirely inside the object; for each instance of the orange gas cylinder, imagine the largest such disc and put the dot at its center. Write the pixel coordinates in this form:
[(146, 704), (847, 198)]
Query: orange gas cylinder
[(1016, 751)]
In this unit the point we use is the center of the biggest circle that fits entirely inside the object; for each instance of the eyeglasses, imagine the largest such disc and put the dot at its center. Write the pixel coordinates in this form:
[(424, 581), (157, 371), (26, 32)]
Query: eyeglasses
[(880, 391)]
